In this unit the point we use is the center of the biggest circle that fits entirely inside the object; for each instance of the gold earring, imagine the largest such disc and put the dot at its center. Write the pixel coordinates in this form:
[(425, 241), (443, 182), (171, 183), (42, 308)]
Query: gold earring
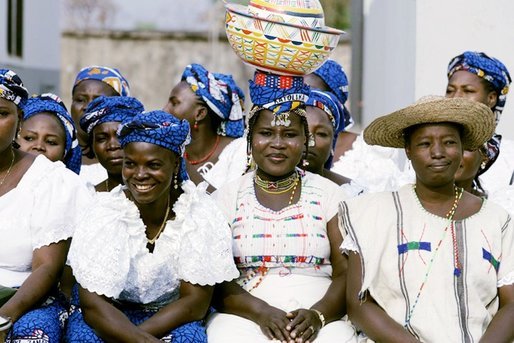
[(483, 165)]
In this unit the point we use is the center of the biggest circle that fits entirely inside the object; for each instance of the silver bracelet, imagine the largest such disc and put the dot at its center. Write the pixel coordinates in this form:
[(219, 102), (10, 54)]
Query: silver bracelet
[(320, 316), (5, 323)]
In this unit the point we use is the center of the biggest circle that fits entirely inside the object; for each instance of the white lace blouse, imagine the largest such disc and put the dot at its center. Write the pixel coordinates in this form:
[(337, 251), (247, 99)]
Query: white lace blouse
[(108, 253), (42, 209)]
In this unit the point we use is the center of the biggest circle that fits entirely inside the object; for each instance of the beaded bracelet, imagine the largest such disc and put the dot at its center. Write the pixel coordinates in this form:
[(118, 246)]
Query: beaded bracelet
[(320, 315)]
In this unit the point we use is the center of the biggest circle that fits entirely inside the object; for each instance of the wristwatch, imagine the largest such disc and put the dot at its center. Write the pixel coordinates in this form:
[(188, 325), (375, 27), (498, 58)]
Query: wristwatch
[(5, 323)]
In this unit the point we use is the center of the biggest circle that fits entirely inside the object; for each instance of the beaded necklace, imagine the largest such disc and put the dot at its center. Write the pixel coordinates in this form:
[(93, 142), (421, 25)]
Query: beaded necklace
[(457, 270), (206, 157), (277, 187)]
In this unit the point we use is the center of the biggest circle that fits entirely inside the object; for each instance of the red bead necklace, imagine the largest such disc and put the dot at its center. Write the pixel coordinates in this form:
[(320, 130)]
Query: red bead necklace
[(195, 162)]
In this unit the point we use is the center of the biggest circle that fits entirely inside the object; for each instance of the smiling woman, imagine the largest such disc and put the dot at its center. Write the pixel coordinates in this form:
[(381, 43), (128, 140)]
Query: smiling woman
[(285, 232), (430, 262), (149, 253)]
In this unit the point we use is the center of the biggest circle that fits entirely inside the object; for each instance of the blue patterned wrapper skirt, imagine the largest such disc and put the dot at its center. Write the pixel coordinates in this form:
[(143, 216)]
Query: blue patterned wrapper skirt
[(79, 331)]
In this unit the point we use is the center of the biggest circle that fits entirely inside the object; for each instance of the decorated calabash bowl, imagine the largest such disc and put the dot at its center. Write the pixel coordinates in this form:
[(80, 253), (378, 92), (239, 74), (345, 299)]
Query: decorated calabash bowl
[(271, 44)]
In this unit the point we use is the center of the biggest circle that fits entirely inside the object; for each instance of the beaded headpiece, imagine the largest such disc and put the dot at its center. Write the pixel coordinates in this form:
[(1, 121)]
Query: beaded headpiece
[(278, 93)]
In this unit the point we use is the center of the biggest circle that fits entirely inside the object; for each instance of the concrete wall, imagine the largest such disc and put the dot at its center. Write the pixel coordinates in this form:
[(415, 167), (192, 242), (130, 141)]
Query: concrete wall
[(408, 44), (40, 64), (153, 62)]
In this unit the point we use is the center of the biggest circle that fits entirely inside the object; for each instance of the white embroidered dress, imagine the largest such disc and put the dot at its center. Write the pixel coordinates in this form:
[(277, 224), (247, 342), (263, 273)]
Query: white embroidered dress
[(42, 209), (108, 253), (292, 243), (397, 238)]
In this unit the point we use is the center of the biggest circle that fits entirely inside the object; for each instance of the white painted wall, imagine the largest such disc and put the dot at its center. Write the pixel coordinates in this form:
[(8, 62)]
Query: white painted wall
[(41, 44), (422, 36)]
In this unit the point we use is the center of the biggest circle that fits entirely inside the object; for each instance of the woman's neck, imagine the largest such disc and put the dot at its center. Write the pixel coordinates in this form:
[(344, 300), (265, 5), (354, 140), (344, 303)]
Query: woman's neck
[(152, 213), (264, 176), (202, 141)]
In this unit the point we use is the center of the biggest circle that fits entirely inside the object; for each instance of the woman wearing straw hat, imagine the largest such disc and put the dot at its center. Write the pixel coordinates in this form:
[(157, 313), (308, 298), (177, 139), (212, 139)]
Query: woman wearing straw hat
[(436, 262)]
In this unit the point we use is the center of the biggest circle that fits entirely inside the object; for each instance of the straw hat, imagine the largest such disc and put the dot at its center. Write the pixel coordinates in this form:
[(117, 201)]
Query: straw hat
[(476, 119)]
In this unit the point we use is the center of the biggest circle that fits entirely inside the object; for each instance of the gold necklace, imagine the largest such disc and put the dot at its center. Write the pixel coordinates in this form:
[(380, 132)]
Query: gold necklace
[(152, 241), (292, 194), (277, 187), (9, 169)]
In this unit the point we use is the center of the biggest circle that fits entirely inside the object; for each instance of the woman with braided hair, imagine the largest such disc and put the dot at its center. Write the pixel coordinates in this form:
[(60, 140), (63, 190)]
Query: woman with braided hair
[(285, 231)]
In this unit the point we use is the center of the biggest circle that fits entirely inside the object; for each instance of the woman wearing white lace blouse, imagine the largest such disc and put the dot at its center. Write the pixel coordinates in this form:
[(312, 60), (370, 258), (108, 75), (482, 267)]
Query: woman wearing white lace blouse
[(148, 253), (39, 201)]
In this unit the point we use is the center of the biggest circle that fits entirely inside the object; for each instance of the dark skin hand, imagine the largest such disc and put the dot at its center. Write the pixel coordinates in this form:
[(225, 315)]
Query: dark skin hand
[(112, 325), (292, 326), (332, 305), (367, 315), (231, 298)]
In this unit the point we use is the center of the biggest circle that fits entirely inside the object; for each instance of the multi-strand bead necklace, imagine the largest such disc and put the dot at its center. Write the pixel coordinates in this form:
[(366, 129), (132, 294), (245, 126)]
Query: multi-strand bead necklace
[(457, 267)]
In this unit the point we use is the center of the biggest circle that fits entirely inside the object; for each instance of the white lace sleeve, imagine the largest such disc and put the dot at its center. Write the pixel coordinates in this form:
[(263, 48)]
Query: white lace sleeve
[(59, 198), (206, 244), (103, 244), (374, 167)]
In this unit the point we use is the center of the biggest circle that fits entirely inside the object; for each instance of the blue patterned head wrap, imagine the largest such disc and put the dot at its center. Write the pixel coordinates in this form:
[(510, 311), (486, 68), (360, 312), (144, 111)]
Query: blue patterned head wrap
[(495, 72), (333, 74), (51, 103), (12, 88), (327, 102), (278, 93), (110, 76), (220, 96), (229, 80), (159, 128), (108, 109), (488, 68)]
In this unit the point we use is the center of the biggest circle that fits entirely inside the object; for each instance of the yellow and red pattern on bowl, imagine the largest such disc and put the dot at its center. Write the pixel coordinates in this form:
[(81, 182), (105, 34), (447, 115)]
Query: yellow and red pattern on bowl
[(269, 43)]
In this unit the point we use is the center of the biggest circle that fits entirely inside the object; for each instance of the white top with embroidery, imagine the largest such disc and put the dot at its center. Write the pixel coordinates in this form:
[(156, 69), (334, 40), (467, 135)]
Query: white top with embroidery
[(231, 164), (42, 209), (501, 172), (399, 242), (295, 236), (108, 253)]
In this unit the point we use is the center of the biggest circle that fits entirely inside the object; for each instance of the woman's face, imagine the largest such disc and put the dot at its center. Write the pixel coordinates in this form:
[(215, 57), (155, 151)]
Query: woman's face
[(435, 151), (183, 102), (469, 166), (277, 149), (43, 134), (148, 171), (9, 119), (107, 148), (85, 92), (322, 131), (464, 84)]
